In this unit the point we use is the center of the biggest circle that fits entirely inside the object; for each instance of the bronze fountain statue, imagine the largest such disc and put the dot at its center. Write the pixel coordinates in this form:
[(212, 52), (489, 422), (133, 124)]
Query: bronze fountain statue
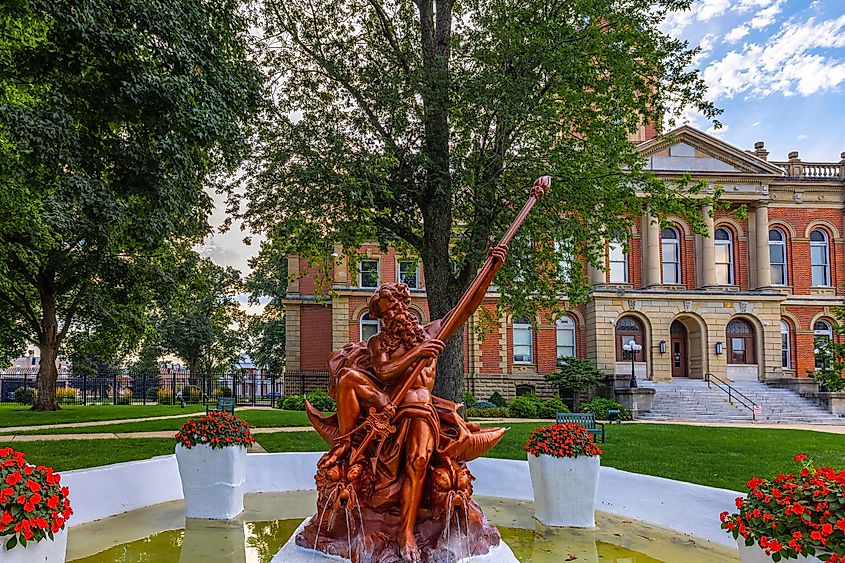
[(395, 486)]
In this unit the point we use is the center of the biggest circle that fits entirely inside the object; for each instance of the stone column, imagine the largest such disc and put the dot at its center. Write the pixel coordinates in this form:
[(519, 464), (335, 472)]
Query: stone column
[(598, 276), (764, 269), (708, 250), (652, 254), (293, 274), (339, 266)]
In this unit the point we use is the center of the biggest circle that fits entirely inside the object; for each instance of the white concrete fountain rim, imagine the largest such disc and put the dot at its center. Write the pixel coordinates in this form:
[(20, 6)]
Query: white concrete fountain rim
[(691, 509)]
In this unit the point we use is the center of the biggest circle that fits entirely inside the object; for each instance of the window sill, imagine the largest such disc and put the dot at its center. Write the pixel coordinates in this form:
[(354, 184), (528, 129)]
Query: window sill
[(822, 290)]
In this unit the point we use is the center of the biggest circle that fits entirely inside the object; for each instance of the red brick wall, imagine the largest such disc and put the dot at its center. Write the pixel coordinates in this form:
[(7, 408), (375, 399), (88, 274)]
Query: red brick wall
[(635, 257), (740, 247), (687, 249), (308, 282), (316, 337), (802, 342), (798, 251)]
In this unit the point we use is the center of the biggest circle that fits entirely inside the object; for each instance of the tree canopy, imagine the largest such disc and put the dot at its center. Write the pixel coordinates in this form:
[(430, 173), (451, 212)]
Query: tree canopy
[(116, 118), (423, 124)]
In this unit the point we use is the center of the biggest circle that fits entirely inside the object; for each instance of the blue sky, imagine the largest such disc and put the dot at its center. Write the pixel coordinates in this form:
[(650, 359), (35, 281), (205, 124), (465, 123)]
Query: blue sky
[(776, 67)]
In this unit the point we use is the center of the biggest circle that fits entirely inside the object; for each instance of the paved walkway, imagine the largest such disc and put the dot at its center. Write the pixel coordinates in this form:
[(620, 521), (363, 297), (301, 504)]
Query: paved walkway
[(12, 429), (157, 434)]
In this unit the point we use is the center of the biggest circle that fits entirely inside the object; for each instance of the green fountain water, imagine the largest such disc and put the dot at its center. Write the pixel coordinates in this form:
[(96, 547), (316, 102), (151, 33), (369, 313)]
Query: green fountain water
[(160, 534)]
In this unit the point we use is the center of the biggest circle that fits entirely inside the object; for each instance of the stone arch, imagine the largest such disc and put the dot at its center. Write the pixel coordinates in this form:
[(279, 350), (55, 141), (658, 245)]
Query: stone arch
[(792, 319), (732, 224), (697, 343), (420, 312), (681, 225), (824, 225), (645, 356), (787, 228), (759, 345)]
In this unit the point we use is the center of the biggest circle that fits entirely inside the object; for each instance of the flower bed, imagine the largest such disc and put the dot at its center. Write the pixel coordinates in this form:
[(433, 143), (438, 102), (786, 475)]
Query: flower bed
[(217, 429), (562, 440), (793, 515), (33, 504)]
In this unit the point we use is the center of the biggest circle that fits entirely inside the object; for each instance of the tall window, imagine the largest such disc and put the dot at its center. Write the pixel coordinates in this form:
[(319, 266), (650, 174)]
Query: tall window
[(369, 326), (785, 354), (821, 330), (628, 329), (563, 249), (368, 273), (740, 336), (724, 257), (671, 249), (565, 332), (820, 258), (523, 341), (409, 273), (777, 256), (618, 262)]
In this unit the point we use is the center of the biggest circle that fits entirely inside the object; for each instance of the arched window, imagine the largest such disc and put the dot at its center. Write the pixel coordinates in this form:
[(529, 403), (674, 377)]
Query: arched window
[(563, 249), (368, 326), (785, 351), (820, 258), (617, 261), (671, 249), (524, 390), (822, 330), (565, 329), (777, 256), (740, 336), (628, 329), (523, 341), (724, 257)]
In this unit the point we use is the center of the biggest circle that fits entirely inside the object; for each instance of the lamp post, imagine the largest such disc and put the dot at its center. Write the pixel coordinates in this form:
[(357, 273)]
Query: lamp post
[(632, 348)]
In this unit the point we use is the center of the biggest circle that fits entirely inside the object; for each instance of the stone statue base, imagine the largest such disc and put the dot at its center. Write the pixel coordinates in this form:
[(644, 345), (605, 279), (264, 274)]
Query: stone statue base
[(293, 553)]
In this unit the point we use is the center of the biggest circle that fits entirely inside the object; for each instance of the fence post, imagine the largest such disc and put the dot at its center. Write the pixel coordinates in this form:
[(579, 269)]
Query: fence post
[(144, 389), (114, 388), (173, 390), (84, 389)]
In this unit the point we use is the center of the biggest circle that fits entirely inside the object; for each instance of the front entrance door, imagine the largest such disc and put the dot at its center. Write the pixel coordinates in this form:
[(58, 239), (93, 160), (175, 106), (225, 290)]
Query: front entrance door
[(678, 349)]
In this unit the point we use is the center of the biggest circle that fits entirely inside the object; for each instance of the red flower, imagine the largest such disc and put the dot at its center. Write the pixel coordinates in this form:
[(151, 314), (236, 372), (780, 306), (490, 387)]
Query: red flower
[(800, 457)]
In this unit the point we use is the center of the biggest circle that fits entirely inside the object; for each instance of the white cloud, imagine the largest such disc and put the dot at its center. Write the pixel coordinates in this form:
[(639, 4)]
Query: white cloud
[(709, 9), (766, 16), (720, 132), (792, 61), (802, 136), (736, 34), (747, 5), (706, 48)]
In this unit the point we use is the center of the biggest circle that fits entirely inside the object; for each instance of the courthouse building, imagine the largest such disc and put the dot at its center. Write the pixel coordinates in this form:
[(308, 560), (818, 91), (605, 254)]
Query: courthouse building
[(746, 302)]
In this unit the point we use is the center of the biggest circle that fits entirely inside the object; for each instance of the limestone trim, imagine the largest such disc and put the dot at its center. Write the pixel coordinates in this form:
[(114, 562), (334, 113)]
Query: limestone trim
[(698, 361), (340, 322), (293, 340), (680, 225), (420, 312), (791, 319), (730, 223), (787, 228), (832, 232), (760, 352), (359, 311), (823, 316)]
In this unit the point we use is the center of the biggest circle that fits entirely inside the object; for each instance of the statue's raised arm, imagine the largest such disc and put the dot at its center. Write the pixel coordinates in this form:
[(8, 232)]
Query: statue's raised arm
[(472, 298)]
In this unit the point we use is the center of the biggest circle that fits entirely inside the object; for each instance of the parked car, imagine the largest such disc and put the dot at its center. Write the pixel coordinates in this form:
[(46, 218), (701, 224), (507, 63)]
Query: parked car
[(272, 395)]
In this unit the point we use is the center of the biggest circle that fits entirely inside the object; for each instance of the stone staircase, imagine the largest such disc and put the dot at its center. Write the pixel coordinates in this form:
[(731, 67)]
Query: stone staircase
[(691, 400)]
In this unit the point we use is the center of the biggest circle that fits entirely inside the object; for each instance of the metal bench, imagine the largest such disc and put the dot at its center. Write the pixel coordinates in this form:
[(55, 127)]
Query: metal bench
[(225, 404), (585, 419)]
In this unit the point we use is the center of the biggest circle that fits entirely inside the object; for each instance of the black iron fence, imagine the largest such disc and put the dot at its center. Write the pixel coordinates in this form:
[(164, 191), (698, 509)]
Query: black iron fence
[(120, 388), (302, 382)]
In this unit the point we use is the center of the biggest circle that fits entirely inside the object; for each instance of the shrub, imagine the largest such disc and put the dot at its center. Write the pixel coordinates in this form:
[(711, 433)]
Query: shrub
[(550, 407), (192, 394), (321, 400), (469, 400), (576, 374), (800, 513), (484, 405), (152, 393), (490, 412), (523, 407), (66, 394), (292, 403), (124, 397), (225, 392), (498, 400), (217, 429), (33, 503), (164, 396), (25, 395), (562, 440), (599, 407)]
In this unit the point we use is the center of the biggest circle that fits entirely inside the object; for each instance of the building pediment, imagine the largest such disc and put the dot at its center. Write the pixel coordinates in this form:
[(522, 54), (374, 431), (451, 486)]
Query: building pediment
[(688, 150)]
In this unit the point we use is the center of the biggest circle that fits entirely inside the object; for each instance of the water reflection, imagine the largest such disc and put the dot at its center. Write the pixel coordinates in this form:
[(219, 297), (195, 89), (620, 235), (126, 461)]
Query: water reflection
[(160, 534)]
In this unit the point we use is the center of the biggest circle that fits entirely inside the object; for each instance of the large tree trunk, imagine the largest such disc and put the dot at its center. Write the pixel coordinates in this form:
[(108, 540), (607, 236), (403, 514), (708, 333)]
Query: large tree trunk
[(49, 345)]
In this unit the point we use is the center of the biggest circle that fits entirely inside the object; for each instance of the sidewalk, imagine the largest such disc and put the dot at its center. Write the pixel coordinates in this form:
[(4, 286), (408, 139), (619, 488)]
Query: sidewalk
[(131, 435), (10, 429)]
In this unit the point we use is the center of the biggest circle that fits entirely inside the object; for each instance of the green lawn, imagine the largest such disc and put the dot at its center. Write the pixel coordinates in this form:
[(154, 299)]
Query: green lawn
[(255, 417), (719, 457), (19, 415)]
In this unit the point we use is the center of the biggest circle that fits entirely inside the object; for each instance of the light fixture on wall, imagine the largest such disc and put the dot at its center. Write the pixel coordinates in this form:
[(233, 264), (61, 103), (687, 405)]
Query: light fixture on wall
[(662, 346), (719, 347)]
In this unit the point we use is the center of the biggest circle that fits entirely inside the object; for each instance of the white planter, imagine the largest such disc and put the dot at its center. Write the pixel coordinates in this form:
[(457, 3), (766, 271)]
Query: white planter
[(45, 551), (755, 554), (212, 481), (565, 489)]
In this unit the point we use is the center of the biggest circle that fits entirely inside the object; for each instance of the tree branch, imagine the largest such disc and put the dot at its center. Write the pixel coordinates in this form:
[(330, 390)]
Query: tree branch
[(74, 306), (22, 306), (390, 35)]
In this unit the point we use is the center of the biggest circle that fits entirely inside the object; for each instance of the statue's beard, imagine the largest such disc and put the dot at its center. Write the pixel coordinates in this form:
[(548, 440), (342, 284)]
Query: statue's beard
[(404, 331)]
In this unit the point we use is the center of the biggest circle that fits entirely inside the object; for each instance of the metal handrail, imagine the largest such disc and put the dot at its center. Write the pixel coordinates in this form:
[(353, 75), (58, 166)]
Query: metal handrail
[(733, 393)]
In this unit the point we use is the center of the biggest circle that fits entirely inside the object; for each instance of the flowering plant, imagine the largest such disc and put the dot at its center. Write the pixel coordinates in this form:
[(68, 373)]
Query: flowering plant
[(562, 440), (33, 504), (217, 429), (794, 515)]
